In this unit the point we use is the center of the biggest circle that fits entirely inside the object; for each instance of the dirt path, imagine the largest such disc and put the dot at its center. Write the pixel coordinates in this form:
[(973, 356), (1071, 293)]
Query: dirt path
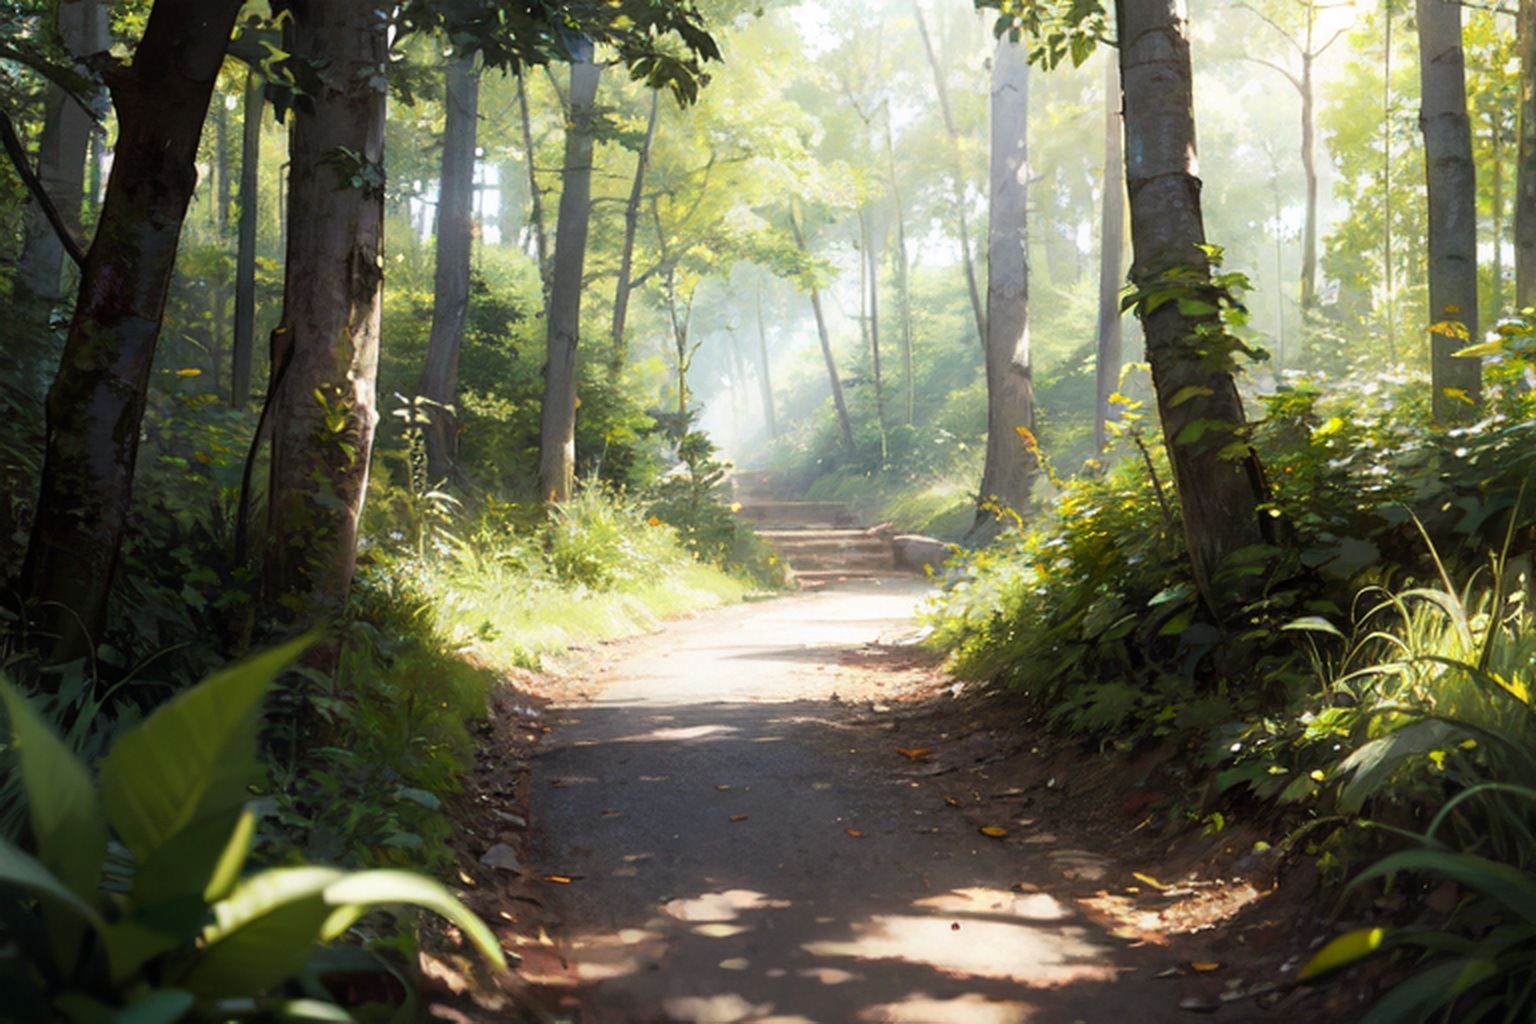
[(747, 842)]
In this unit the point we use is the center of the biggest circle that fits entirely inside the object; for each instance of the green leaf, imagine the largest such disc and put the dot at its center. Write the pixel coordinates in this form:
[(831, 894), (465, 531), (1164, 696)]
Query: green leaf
[(263, 933), (67, 823), (1314, 624), (162, 1006), (194, 757), (311, 1009), (1346, 949), (1374, 762), (23, 871), (378, 888), (1187, 393), (1412, 999), (1504, 883)]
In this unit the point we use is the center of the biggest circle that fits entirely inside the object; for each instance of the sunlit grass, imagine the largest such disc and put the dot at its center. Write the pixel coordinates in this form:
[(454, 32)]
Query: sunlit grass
[(514, 619)]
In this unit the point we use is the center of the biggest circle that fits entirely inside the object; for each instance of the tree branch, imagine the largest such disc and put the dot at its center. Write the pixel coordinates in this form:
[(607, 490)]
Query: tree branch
[(18, 154), (1289, 77)]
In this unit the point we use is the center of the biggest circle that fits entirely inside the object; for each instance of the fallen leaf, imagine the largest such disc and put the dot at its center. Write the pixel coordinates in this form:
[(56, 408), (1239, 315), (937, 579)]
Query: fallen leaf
[(722, 787), (951, 800), (995, 831), (954, 926), (854, 832), (561, 879), (739, 817), (914, 753), (1204, 966), (466, 879), (1148, 880)]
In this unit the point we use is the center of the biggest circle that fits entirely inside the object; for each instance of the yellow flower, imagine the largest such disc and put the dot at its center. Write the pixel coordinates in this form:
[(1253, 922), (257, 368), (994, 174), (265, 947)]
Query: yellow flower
[(654, 521)]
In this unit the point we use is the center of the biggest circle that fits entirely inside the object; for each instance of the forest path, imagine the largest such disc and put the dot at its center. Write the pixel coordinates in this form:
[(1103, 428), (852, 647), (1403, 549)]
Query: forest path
[(746, 842)]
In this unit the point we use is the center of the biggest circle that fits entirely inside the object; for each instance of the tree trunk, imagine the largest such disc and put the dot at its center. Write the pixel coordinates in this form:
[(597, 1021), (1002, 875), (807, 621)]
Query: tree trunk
[(1389, 300), (765, 380), (97, 399), (535, 197), (1309, 172), (1452, 184), (942, 89), (455, 244), (1011, 461), (903, 291), (1110, 355), (61, 157), (1496, 187), (871, 275), (631, 228), (1525, 160), (221, 167), (1197, 400), (844, 425), (245, 246), (557, 428), (324, 415)]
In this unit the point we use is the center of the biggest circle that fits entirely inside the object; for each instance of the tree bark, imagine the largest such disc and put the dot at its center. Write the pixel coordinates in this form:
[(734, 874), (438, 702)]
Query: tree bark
[(1110, 355), (61, 157), (97, 399), (844, 425), (1525, 160), (765, 380), (1202, 415), (455, 244), (871, 275), (631, 228), (1452, 184), (942, 90), (903, 290), (323, 422), (1011, 460), (557, 428), (245, 246), (1309, 173), (535, 197)]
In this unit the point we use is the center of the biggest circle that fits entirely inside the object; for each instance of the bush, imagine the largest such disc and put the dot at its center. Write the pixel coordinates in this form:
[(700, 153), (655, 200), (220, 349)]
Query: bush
[(167, 927)]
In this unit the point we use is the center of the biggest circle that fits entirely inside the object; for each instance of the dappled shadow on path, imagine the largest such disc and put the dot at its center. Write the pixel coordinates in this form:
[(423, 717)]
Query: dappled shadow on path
[(762, 862)]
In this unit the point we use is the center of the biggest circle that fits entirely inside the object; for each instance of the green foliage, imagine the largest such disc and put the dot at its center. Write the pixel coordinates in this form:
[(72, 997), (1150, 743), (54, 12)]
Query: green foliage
[(691, 500), (162, 922)]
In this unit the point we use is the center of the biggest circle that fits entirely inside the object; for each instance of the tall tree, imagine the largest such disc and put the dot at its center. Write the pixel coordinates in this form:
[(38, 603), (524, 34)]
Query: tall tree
[(764, 379), (941, 89), (1109, 356), (557, 431), (244, 355), (455, 244), (1525, 159), (903, 285), (97, 400), (326, 358), (624, 286), (1011, 461), (834, 381), (1308, 50), (1452, 184), (1219, 489), (61, 158)]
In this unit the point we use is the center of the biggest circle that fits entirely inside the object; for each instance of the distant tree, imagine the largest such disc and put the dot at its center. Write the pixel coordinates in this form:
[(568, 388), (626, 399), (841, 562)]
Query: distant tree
[(1108, 353), (455, 243)]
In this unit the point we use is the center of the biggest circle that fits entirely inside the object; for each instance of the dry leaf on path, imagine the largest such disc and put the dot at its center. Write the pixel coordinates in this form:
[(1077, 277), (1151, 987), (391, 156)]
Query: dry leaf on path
[(995, 831), (854, 832), (1204, 966), (1147, 880), (739, 817), (914, 753)]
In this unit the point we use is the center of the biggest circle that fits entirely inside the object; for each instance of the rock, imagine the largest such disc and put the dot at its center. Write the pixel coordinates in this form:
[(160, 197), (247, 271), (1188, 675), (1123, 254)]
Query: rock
[(515, 820), (914, 551), (503, 858)]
